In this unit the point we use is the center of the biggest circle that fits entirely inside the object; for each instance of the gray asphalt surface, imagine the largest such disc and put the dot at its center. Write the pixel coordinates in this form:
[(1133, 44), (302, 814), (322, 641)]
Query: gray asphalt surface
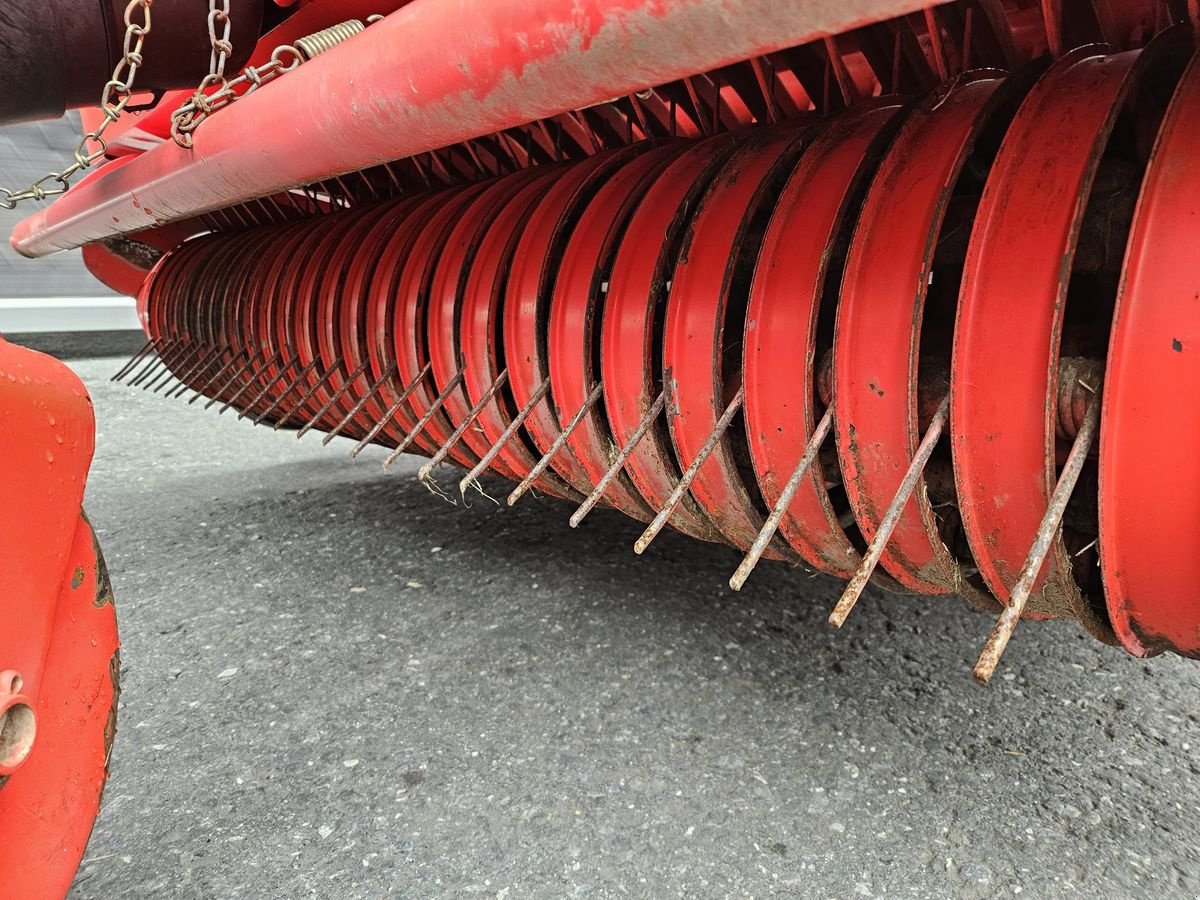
[(338, 685)]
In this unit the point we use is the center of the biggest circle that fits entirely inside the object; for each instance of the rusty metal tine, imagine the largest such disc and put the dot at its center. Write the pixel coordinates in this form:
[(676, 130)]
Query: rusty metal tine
[(154, 369), (133, 360), (220, 372), (186, 356), (451, 386), (149, 362), (392, 410), (300, 376), (151, 366), (313, 388), (334, 399), (391, 370), (1003, 630), (759, 547), (891, 516), (201, 365), (652, 530), (559, 443), (235, 376), (210, 364), (445, 449), (513, 427), (593, 498), (252, 379), (286, 366)]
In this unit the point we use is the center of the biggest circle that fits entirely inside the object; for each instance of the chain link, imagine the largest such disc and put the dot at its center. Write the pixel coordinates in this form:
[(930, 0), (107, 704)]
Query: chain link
[(285, 58), (203, 103), (186, 119), (113, 101)]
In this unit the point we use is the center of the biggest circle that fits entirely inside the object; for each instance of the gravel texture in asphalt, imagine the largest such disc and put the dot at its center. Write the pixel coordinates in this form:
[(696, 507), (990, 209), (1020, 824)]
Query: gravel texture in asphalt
[(336, 684)]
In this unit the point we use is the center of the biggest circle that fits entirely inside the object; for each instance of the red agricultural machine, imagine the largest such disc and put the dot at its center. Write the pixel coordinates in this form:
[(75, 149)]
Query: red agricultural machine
[(891, 290)]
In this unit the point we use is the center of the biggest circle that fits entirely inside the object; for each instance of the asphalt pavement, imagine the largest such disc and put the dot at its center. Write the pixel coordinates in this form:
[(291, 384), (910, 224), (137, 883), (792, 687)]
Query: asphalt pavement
[(336, 684)]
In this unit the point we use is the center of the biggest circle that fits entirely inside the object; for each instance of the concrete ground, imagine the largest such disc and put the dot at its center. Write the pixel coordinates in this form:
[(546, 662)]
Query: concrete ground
[(338, 685)]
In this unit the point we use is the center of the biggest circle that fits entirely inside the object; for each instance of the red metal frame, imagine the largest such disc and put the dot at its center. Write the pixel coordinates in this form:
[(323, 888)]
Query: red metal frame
[(394, 92), (59, 629)]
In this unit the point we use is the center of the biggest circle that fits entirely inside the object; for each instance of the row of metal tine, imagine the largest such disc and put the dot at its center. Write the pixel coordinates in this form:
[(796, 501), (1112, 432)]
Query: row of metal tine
[(154, 365)]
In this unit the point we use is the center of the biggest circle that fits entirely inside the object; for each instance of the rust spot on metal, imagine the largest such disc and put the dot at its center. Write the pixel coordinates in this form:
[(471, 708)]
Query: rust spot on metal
[(77, 577), (104, 592)]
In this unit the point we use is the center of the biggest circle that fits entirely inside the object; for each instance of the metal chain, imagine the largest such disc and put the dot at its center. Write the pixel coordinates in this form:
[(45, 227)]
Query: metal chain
[(113, 101), (285, 58), (222, 49), (186, 119)]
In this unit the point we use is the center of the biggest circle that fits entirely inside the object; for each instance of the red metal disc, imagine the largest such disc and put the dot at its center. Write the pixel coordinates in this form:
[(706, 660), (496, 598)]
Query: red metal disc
[(454, 267), (408, 331), (330, 319), (382, 293), (879, 324), (355, 308), (534, 269), (782, 319), (709, 290), (576, 309), (1004, 378), (281, 285), (1150, 436), (632, 310), (303, 322), (477, 336)]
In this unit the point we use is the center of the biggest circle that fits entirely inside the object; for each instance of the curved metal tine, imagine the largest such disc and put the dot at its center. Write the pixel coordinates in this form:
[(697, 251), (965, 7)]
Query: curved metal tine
[(451, 386), (1044, 538), (313, 388), (284, 367), (186, 356), (148, 362), (182, 350), (759, 547), (513, 427), (652, 530), (291, 386), (891, 516), (133, 360), (593, 498), (427, 469), (220, 373), (158, 360), (388, 373), (252, 379), (559, 442), (202, 366), (392, 410), (238, 373), (334, 399)]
